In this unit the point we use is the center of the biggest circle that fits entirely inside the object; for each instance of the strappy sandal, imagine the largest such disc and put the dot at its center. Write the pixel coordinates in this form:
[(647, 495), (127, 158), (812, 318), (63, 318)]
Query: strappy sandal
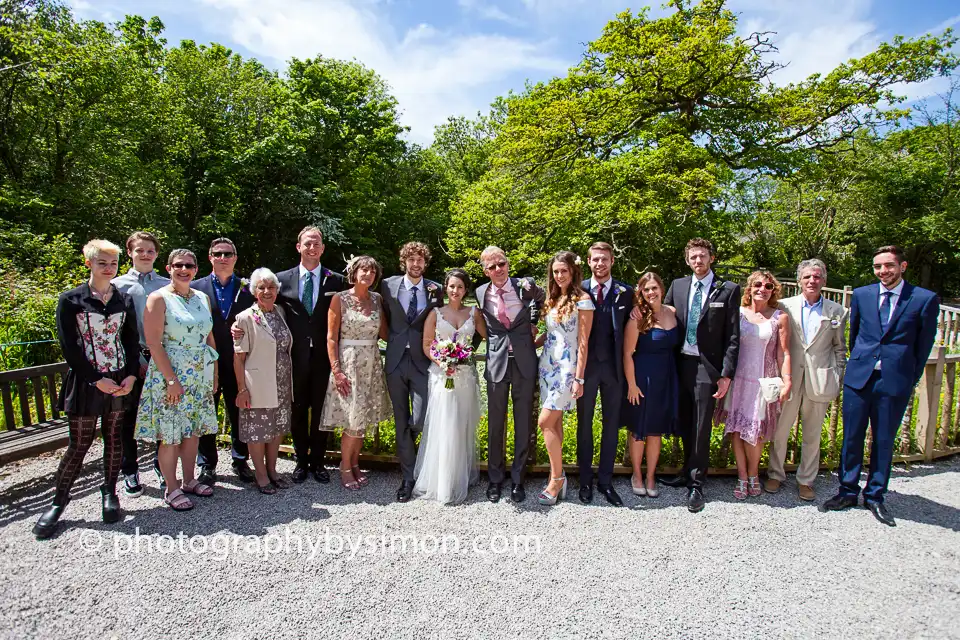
[(753, 486), (362, 479), (740, 493), (197, 488), (178, 501), (278, 482), (352, 485), (268, 489)]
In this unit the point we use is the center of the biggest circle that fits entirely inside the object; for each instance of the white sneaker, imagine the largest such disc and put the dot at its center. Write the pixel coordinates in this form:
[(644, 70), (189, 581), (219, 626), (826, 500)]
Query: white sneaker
[(132, 486)]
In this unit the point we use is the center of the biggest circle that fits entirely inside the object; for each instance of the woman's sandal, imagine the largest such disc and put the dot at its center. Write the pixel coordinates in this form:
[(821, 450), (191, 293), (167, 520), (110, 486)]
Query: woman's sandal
[(178, 501), (197, 488), (362, 480), (352, 485), (278, 482), (753, 486), (740, 493), (268, 489)]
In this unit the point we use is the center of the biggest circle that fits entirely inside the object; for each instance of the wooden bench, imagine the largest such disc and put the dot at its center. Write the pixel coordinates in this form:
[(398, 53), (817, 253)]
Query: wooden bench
[(40, 428)]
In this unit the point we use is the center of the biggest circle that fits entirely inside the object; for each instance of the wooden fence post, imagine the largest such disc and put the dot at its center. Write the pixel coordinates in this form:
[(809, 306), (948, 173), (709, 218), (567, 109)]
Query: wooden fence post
[(946, 416), (927, 413), (847, 295)]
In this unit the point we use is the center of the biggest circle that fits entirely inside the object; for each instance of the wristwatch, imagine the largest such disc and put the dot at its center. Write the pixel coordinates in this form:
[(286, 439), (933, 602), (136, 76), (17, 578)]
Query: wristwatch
[(578, 380), (171, 382)]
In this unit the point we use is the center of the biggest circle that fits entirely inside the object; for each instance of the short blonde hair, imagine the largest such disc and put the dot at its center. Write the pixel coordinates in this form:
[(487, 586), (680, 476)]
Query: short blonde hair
[(491, 252), (96, 246)]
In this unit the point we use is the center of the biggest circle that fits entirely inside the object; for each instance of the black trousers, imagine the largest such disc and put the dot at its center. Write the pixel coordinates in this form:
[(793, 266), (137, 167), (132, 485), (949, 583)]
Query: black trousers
[(207, 456), (695, 419), (128, 441), (521, 390), (611, 388), (309, 391)]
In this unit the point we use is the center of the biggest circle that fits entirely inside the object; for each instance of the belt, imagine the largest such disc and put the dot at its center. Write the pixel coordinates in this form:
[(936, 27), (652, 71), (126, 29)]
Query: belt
[(359, 343)]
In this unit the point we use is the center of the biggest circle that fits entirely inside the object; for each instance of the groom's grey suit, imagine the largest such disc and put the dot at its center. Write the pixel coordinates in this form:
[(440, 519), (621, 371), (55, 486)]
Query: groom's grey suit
[(511, 362), (407, 365)]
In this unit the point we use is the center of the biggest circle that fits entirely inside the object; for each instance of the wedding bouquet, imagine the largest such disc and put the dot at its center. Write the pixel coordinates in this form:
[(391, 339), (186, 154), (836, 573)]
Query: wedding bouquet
[(451, 354)]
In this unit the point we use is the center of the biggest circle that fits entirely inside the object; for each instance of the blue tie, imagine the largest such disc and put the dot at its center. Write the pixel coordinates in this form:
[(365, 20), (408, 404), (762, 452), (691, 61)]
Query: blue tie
[(412, 306), (885, 310), (693, 319), (307, 297)]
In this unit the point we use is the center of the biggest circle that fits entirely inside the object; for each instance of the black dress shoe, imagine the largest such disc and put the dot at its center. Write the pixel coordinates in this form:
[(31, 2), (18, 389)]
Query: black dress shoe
[(586, 493), (243, 471), (493, 491), (839, 503), (695, 501), (207, 476), (321, 475), (47, 524), (880, 513), (405, 492), (608, 492), (518, 493), (299, 474), (679, 480), (111, 504)]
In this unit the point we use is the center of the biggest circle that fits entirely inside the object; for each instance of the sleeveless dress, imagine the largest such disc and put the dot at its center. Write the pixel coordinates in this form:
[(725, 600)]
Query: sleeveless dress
[(558, 361), (744, 410), (186, 325), (368, 404), (655, 368), (446, 463), (265, 424)]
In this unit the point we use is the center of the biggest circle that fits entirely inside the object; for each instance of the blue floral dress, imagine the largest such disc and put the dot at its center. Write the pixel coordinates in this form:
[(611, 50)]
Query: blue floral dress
[(558, 361), (187, 324)]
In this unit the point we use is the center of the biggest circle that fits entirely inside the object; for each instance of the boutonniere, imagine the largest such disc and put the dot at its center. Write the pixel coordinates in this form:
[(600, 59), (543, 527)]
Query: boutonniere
[(526, 284), (244, 284), (617, 289), (258, 318), (835, 323), (432, 288)]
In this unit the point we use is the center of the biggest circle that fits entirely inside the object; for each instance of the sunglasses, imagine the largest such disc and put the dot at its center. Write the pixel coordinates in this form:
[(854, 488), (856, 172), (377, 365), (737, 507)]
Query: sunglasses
[(766, 285), (183, 265), (497, 265), (223, 254)]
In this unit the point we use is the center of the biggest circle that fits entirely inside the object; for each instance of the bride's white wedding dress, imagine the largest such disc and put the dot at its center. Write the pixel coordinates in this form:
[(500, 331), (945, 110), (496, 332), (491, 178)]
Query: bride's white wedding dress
[(446, 463)]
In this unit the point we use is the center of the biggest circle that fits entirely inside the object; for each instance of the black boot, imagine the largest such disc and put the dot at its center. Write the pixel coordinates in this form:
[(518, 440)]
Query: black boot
[(47, 524), (111, 504)]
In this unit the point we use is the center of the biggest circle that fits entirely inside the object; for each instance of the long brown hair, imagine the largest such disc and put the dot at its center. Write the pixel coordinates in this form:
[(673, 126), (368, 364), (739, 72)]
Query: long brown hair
[(646, 320), (565, 304)]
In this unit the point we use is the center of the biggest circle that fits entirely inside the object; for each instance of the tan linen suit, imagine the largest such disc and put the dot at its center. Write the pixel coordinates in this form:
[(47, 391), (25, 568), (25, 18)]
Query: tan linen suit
[(817, 370)]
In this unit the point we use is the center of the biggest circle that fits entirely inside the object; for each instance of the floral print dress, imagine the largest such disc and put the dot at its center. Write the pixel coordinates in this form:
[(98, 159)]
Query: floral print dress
[(558, 361), (187, 323), (367, 404)]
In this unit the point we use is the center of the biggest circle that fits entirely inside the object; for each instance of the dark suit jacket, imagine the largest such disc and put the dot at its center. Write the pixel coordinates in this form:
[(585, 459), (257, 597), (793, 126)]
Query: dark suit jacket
[(308, 330), (242, 299), (518, 335), (401, 331), (903, 348), (718, 332), (622, 305)]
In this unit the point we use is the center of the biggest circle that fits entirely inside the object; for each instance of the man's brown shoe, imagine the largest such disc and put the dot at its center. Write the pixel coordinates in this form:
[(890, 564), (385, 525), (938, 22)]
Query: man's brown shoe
[(771, 485), (806, 492)]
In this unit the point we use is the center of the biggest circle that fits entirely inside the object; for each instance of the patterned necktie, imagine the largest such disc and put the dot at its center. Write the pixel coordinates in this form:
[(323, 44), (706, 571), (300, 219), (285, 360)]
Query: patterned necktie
[(693, 319), (502, 308), (885, 310), (599, 295), (412, 306), (307, 297)]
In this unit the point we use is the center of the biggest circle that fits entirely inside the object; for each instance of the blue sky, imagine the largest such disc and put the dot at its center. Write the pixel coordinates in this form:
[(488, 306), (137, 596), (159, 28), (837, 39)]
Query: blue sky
[(453, 57)]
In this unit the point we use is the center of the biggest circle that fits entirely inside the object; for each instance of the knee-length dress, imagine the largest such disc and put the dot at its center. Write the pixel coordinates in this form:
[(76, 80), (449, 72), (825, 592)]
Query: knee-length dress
[(367, 404), (261, 424), (655, 369), (745, 411), (186, 325), (558, 361)]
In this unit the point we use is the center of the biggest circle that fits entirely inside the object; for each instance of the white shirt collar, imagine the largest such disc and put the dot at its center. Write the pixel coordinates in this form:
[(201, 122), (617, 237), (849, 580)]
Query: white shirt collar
[(408, 283), (707, 281), (605, 285), (896, 291), (303, 271)]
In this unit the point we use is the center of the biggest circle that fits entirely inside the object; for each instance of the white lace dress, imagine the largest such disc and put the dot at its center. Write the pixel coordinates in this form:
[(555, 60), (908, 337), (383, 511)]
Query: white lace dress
[(446, 463)]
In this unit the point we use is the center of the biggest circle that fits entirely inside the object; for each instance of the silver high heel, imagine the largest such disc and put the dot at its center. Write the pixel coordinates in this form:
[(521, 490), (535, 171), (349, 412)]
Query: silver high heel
[(548, 500)]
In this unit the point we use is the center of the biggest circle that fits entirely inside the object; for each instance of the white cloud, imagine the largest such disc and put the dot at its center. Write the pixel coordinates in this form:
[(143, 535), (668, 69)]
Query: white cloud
[(433, 73), (488, 11)]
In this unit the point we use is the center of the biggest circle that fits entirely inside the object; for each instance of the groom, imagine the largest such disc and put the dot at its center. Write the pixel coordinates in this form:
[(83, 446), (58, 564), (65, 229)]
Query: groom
[(408, 300), (511, 308)]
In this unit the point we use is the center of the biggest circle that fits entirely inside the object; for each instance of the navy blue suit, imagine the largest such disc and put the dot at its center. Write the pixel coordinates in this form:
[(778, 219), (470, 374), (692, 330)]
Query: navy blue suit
[(242, 299), (603, 373), (880, 396)]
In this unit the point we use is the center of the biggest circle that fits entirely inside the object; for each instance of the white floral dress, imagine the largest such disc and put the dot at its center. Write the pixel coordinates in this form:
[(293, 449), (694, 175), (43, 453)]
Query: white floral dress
[(558, 361), (187, 323)]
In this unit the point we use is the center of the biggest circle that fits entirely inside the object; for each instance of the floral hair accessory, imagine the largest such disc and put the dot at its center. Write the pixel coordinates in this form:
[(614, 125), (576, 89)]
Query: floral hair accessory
[(577, 260), (350, 262)]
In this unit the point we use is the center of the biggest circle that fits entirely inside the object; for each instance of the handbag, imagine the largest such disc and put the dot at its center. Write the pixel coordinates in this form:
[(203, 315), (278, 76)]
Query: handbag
[(770, 388)]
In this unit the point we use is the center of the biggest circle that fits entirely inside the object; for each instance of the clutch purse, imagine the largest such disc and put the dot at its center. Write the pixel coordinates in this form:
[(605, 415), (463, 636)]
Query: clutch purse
[(770, 388)]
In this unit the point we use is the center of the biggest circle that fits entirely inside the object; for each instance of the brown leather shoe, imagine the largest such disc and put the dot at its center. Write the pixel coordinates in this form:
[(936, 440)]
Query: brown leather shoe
[(806, 492), (771, 485)]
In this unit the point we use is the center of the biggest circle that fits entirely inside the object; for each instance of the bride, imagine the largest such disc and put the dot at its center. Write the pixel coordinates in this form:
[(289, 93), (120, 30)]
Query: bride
[(446, 463)]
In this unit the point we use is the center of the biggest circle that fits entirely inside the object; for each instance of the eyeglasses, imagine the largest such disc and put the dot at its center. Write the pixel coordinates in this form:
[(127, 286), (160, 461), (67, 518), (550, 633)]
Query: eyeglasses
[(766, 285), (222, 254), (497, 265), (183, 265)]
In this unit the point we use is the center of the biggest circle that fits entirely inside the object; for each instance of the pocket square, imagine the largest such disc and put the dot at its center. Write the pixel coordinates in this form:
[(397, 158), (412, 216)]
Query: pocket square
[(714, 305), (329, 293), (621, 307)]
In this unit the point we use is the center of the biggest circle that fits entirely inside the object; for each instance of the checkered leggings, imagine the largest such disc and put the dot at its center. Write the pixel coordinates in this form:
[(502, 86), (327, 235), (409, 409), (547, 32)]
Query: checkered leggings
[(82, 431)]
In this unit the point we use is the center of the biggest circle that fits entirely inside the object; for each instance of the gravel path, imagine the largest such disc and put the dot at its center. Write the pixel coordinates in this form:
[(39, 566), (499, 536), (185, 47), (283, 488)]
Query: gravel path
[(768, 568)]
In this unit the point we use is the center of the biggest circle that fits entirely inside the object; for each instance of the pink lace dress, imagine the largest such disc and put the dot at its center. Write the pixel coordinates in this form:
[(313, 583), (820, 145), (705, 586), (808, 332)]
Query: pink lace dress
[(744, 410)]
